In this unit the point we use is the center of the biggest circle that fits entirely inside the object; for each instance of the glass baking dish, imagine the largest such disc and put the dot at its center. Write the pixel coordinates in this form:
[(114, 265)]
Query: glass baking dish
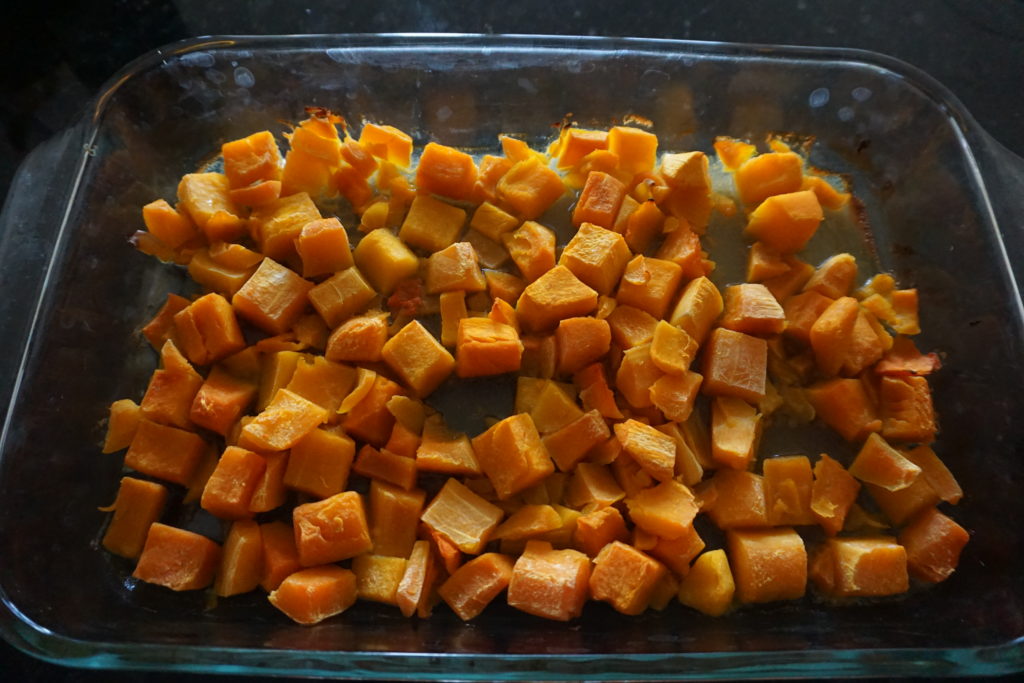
[(942, 202)]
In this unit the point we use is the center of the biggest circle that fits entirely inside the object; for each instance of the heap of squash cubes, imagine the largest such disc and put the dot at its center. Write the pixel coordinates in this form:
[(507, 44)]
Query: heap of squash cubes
[(293, 397)]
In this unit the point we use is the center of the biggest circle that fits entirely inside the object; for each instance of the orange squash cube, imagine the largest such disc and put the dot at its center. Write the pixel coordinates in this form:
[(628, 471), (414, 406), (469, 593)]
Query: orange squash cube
[(418, 358), (672, 348), (636, 375), (751, 309), (358, 340), (735, 364), (394, 518), (786, 222), (596, 256), (845, 406), (331, 530), (709, 586), (570, 444), (341, 296), (229, 489), (311, 595), (208, 330), (241, 562), (385, 260), (165, 452), (532, 248), (167, 224), (861, 567), (512, 455), (880, 464), (735, 432), (387, 142), (177, 559), (485, 347), (323, 247), (454, 268), (905, 404), (649, 284), (549, 583), (933, 543), (738, 500), (476, 584), (530, 187), (442, 450), (431, 224), (788, 482), (445, 171), (834, 277), (698, 308), (275, 226), (636, 149), (769, 174), (378, 577), (768, 565), (653, 450), (205, 198), (461, 516), (579, 342), (599, 201), (492, 221), (666, 510), (319, 463), (832, 494), (625, 578), (287, 418), (273, 298), (370, 420), (138, 505), (555, 295), (595, 530)]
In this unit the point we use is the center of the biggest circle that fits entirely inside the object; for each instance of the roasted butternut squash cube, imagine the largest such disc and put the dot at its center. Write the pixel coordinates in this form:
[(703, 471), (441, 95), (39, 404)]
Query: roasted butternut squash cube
[(769, 174), (672, 348), (445, 171), (596, 256), (845, 406), (625, 577), (860, 567), (768, 565), (172, 227), (933, 542), (530, 187), (636, 375), (431, 224), (493, 221), (286, 419), (358, 340), (666, 510), (905, 404), (649, 284), (319, 463), (832, 494), (580, 342), (229, 489), (636, 149), (274, 297), (341, 296), (532, 248), (207, 330), (512, 455), (486, 347), (276, 226), (750, 308), (205, 198), (698, 308), (599, 201), (177, 559), (802, 311), (455, 268), (735, 364), (550, 583), (654, 451), (555, 295), (686, 170), (786, 222), (378, 577), (385, 260), (738, 500), (682, 246), (570, 444), (323, 247), (631, 327), (387, 142), (461, 516), (475, 584), (709, 587), (165, 452), (735, 432), (575, 143), (138, 505), (251, 159), (676, 395), (331, 530), (311, 595), (788, 482), (834, 277), (419, 359)]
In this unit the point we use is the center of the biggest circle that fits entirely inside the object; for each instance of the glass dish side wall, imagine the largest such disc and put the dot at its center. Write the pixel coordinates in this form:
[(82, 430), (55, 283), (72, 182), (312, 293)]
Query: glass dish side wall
[(928, 223)]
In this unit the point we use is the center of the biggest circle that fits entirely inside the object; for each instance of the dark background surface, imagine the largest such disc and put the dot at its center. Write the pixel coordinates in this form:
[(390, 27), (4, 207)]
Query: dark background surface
[(54, 58)]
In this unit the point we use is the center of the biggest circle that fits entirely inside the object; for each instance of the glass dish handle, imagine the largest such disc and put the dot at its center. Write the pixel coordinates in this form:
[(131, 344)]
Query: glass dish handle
[(30, 224)]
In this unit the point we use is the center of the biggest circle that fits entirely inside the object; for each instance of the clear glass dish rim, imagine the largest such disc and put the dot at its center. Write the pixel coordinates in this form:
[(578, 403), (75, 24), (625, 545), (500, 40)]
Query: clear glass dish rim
[(33, 639)]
